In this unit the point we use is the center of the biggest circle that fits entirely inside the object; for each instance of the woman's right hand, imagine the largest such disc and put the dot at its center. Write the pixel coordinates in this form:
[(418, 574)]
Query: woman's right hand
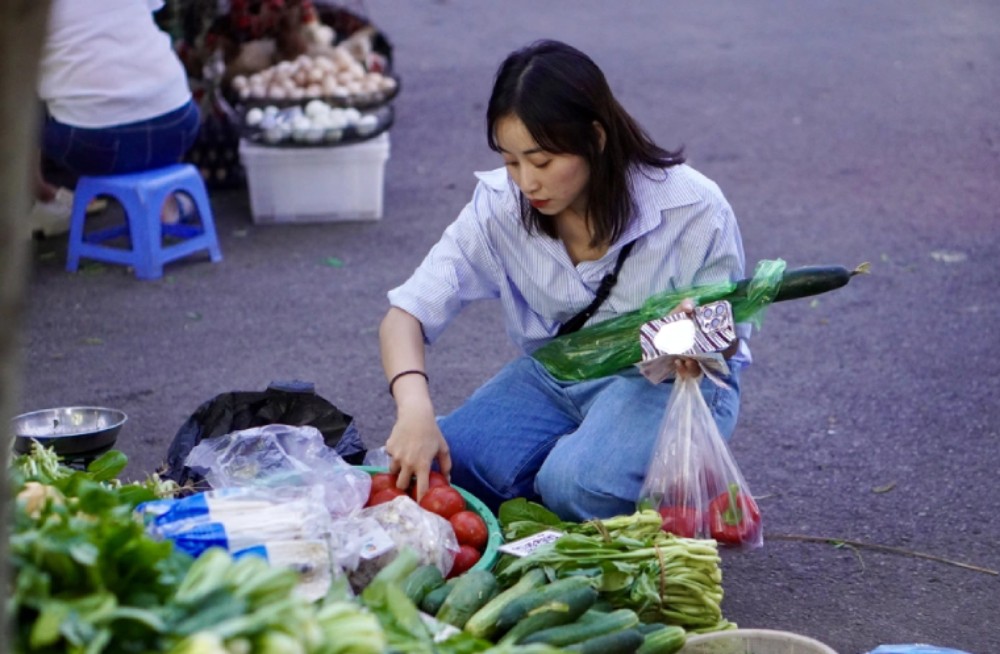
[(414, 444), (685, 366)]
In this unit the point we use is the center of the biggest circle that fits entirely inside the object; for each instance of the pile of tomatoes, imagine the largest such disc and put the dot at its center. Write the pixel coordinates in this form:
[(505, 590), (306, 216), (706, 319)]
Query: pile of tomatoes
[(444, 500)]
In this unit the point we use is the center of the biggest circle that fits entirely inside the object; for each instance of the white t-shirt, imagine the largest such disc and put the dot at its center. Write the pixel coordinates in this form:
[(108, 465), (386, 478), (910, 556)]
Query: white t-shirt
[(106, 63)]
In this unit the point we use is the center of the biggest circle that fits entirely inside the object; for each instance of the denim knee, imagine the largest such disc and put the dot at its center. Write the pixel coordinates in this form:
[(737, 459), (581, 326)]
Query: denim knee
[(566, 490)]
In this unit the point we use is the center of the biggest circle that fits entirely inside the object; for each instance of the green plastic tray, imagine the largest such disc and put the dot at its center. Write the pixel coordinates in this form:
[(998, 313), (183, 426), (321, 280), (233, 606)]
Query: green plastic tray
[(492, 550)]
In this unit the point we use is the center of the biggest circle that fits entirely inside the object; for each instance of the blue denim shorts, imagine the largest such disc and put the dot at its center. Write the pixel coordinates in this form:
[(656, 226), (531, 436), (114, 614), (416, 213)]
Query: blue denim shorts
[(119, 149), (581, 448)]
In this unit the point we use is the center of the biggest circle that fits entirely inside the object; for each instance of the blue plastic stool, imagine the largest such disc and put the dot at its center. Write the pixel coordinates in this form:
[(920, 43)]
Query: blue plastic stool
[(142, 196)]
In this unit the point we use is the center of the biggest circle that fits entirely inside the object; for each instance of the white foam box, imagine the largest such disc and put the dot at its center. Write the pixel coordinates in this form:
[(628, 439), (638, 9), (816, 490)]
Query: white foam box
[(316, 184)]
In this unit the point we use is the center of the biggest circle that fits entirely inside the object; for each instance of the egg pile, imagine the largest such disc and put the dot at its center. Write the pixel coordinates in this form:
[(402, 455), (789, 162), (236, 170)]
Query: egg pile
[(317, 122), (339, 77)]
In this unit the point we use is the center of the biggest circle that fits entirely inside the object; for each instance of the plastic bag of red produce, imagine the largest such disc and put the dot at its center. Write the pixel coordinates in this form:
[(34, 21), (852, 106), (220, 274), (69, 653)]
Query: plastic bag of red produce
[(693, 479)]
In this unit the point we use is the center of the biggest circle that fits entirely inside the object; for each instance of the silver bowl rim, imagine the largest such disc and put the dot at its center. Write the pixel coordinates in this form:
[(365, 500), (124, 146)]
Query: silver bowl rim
[(120, 418)]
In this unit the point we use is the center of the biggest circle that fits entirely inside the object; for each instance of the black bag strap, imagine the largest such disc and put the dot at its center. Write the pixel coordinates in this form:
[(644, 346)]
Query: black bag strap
[(603, 291)]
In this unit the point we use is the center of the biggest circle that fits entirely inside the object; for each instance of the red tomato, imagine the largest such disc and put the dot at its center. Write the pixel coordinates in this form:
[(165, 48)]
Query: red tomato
[(680, 521), (470, 529), (380, 481), (385, 495), (437, 479), (444, 501), (466, 557), (434, 479)]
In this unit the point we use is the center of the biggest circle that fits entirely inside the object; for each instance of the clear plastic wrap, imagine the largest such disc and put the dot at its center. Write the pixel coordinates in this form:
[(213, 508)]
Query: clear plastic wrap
[(281, 455), (405, 524), (693, 479), (607, 347)]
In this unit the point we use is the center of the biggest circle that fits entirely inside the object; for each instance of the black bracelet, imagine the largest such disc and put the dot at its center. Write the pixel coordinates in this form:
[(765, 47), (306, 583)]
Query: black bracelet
[(406, 372)]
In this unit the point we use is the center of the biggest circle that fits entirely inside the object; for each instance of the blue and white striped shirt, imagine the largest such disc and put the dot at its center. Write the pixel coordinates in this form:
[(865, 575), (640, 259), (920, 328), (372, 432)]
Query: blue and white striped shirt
[(685, 235)]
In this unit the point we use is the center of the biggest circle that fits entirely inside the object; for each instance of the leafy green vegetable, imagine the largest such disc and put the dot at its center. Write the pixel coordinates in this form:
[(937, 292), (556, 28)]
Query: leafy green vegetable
[(633, 562)]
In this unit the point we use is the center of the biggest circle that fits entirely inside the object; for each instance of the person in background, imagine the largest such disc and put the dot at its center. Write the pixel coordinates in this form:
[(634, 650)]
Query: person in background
[(583, 192), (116, 97)]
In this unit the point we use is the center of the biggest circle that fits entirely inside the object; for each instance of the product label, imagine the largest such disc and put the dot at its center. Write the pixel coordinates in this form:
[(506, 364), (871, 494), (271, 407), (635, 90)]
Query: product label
[(526, 546), (376, 542)]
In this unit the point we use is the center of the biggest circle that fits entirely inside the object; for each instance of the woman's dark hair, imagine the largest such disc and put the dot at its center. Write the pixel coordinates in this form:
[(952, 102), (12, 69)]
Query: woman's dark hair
[(559, 93)]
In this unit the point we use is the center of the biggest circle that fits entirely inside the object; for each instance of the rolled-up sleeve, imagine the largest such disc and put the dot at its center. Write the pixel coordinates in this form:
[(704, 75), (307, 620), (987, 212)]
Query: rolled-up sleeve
[(461, 268)]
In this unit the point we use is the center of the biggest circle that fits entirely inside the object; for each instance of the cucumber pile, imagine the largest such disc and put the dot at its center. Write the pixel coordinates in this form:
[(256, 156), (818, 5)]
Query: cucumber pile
[(564, 614)]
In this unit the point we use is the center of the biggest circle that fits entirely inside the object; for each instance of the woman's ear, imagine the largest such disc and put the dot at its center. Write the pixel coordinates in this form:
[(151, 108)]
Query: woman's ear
[(602, 136)]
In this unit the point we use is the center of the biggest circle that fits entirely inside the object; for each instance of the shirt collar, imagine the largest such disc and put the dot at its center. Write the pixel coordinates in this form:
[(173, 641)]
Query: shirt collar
[(654, 190)]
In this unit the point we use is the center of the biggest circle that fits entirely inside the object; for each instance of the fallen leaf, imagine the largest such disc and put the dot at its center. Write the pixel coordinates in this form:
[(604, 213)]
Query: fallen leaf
[(93, 340), (193, 315), (884, 489), (814, 304), (333, 262)]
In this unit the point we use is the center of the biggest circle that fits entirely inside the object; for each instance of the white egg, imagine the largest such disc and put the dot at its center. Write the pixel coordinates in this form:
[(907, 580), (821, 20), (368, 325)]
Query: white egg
[(314, 134), (274, 135), (336, 120), (316, 108), (268, 122), (254, 116), (367, 124)]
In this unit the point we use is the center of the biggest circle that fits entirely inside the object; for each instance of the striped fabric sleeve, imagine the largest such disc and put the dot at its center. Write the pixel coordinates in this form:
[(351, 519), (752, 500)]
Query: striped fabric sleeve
[(461, 268)]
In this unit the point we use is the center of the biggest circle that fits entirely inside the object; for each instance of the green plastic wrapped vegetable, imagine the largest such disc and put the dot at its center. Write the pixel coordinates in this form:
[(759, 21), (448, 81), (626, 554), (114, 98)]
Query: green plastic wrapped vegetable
[(607, 347)]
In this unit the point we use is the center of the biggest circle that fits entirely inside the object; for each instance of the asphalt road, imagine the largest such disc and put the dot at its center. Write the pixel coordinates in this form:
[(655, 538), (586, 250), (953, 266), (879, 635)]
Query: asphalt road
[(841, 133)]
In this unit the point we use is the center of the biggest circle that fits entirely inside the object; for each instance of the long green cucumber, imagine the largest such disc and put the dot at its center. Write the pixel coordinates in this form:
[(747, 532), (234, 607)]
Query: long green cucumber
[(589, 625), (433, 600), (422, 581), (805, 281), (472, 591), (511, 614), (483, 622), (626, 641), (561, 610), (668, 640)]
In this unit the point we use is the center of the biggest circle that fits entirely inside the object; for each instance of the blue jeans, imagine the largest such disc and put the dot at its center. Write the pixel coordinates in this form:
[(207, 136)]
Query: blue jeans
[(120, 149), (580, 448)]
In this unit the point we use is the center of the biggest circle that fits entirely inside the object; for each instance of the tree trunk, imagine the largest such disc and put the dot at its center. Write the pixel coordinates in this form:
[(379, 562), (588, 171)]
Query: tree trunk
[(22, 29)]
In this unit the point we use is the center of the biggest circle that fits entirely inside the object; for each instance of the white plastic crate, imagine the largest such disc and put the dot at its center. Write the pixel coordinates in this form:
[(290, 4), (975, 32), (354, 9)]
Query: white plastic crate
[(316, 184)]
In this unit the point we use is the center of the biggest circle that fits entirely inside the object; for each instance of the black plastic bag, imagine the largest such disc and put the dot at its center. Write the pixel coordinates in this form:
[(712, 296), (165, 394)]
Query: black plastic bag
[(284, 403)]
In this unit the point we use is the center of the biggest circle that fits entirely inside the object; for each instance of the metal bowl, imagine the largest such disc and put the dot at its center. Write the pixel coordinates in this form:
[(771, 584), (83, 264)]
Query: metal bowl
[(68, 430)]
